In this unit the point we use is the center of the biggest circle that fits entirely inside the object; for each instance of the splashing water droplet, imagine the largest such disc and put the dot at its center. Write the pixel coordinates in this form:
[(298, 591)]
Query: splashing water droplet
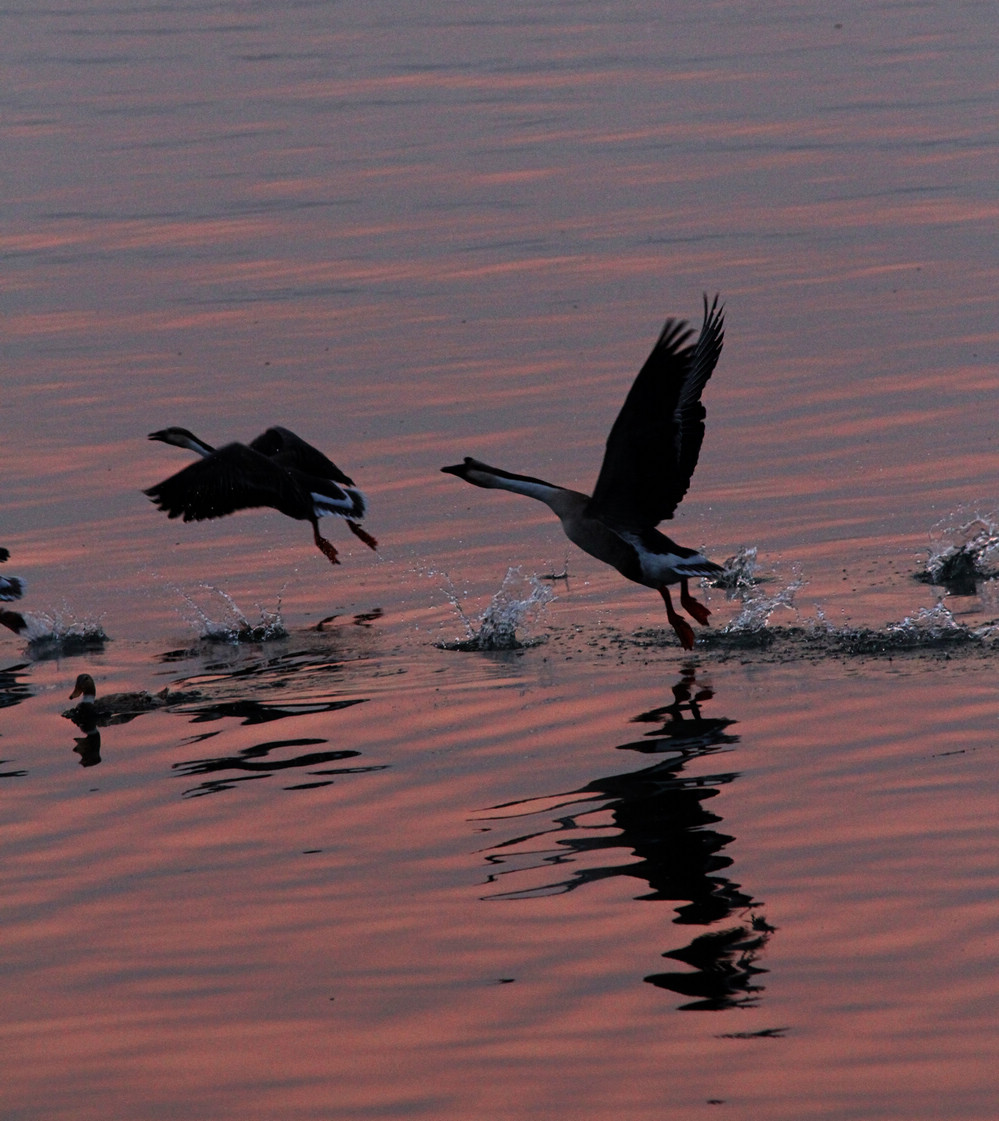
[(738, 576), (233, 627), (965, 550), (757, 608), (60, 634), (519, 600)]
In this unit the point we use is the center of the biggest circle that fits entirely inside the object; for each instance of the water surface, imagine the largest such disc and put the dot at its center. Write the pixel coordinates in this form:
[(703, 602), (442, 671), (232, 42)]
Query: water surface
[(356, 873)]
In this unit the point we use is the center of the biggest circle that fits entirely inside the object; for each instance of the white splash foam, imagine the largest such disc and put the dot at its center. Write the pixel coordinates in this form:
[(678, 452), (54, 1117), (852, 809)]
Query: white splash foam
[(53, 635), (233, 627), (928, 622), (519, 601), (965, 548), (757, 607), (738, 576)]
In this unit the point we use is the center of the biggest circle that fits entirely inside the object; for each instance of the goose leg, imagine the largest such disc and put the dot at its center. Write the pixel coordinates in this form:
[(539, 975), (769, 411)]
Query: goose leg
[(696, 610), (363, 534), (684, 631), (327, 549)]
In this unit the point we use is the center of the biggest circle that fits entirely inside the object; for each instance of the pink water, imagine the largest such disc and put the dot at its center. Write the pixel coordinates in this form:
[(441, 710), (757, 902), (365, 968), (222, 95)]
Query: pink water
[(360, 875)]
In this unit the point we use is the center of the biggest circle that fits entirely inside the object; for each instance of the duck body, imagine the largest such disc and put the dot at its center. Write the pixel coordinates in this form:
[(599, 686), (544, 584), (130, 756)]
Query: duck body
[(650, 457), (278, 470), (116, 708)]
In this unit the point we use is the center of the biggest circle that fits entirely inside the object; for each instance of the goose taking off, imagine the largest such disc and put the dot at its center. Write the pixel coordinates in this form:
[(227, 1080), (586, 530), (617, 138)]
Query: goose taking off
[(651, 455), (278, 469)]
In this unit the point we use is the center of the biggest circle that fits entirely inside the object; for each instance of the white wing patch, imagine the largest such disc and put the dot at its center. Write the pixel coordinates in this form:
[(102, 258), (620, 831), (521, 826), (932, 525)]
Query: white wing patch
[(351, 505)]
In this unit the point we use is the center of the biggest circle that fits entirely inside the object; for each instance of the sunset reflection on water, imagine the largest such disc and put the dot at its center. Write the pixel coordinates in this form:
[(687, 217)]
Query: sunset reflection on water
[(356, 872)]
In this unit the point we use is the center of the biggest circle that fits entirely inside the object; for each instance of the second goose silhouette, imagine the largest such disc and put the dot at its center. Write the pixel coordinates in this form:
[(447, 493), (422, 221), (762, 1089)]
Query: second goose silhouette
[(278, 469)]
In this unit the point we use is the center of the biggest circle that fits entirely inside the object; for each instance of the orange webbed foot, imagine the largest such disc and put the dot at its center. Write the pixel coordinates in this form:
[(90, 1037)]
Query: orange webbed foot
[(684, 631), (363, 534), (694, 609), (327, 549)]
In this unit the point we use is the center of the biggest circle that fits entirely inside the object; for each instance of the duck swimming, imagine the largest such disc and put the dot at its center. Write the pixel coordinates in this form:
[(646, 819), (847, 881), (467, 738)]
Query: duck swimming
[(116, 708), (278, 469), (649, 460)]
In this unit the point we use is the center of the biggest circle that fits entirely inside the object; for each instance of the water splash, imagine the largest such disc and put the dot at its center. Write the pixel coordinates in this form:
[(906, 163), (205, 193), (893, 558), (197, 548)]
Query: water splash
[(519, 601), (926, 629), (233, 627), (965, 551), (928, 622), (61, 634), (738, 577), (758, 607)]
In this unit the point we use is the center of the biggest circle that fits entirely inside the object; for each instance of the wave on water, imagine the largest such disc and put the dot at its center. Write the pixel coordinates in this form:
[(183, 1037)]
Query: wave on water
[(232, 627), (519, 602)]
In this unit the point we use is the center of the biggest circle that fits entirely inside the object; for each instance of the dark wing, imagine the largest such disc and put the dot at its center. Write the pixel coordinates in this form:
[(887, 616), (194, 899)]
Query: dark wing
[(11, 588), (284, 447), (233, 478), (653, 447)]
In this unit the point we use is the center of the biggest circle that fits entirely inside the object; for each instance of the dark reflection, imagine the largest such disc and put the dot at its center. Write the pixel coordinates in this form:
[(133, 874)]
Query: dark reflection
[(286, 684), (659, 815), (12, 689), (88, 746), (311, 671), (51, 638), (264, 760), (12, 692), (263, 712), (360, 619)]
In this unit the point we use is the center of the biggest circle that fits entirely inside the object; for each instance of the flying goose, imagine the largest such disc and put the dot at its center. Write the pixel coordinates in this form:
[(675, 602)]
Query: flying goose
[(277, 469), (651, 454)]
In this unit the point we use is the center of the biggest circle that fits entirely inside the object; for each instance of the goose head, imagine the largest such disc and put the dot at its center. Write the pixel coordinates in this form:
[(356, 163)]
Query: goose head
[(181, 438)]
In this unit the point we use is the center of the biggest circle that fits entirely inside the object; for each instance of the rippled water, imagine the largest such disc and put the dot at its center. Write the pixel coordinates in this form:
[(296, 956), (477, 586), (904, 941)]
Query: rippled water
[(456, 829)]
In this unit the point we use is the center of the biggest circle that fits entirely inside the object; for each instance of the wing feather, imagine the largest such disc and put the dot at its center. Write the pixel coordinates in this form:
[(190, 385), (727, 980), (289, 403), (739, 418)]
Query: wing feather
[(233, 478), (653, 446), (291, 451)]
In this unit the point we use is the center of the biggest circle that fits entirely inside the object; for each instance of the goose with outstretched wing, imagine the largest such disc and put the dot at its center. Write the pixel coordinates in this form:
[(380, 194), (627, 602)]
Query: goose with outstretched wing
[(651, 454), (278, 469)]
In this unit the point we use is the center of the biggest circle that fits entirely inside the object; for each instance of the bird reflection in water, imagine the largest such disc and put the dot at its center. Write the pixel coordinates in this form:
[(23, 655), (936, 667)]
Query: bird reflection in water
[(88, 745), (13, 685), (271, 757), (659, 815), (13, 690)]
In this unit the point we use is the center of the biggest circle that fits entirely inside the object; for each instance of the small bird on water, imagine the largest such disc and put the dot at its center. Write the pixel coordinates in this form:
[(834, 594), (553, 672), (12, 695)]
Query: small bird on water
[(116, 708), (278, 469), (650, 458)]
